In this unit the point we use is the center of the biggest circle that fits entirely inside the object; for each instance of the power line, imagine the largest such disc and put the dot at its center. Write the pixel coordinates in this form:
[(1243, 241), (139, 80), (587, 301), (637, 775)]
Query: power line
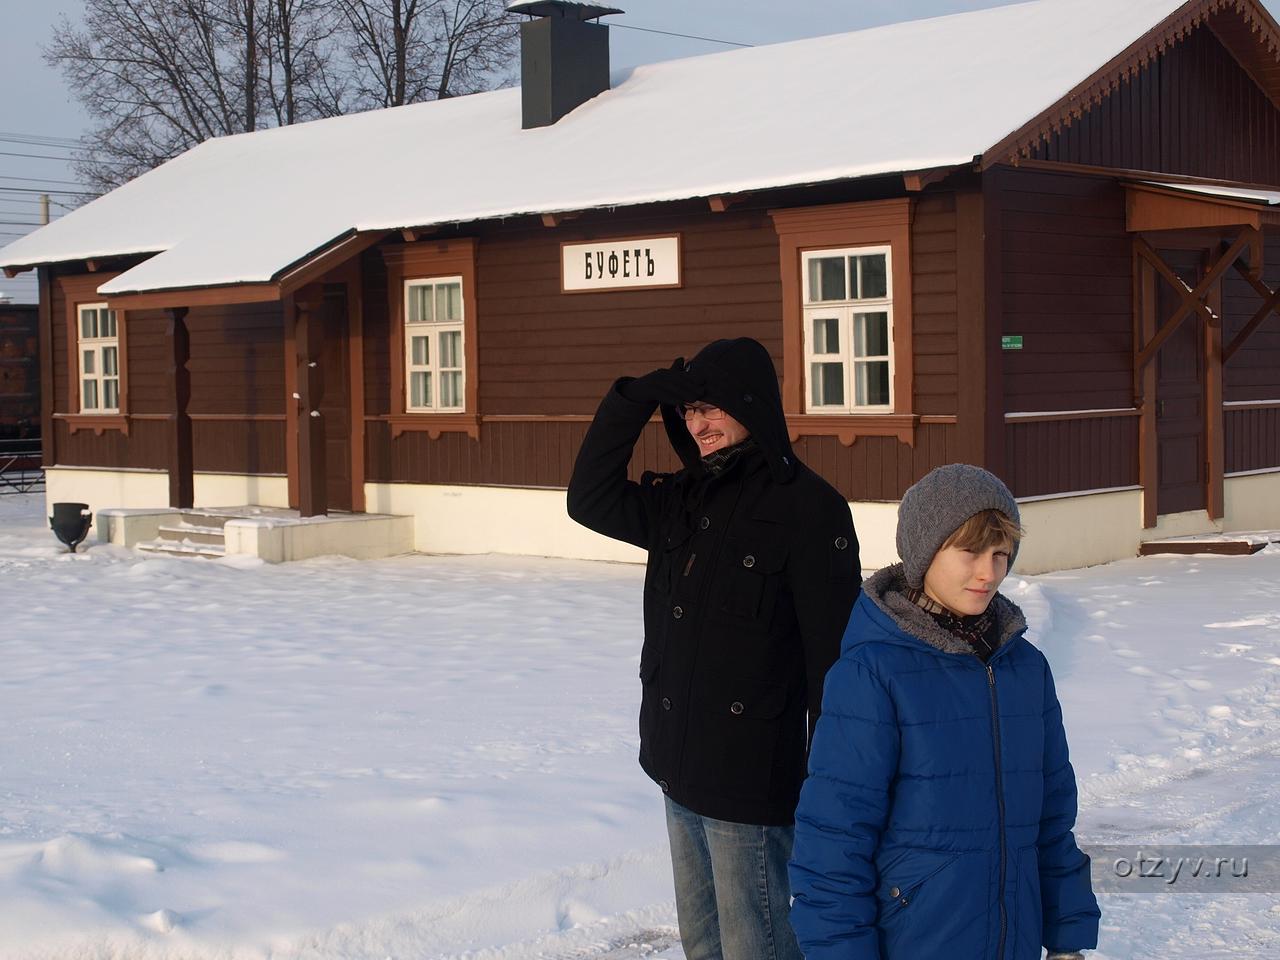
[(74, 183), (61, 193), (40, 140), (38, 156), (43, 156), (685, 36)]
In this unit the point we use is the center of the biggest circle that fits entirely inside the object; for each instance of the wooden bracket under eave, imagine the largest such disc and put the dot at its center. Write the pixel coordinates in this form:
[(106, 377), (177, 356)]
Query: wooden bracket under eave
[(555, 219), (93, 266), (917, 180), (414, 234), (12, 272)]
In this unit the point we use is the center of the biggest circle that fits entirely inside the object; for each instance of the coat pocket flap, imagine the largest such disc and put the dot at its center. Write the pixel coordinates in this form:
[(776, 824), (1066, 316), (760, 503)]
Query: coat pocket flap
[(908, 872)]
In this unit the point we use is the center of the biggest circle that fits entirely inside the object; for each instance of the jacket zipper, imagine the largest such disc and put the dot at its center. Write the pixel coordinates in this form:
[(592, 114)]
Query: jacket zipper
[(995, 722)]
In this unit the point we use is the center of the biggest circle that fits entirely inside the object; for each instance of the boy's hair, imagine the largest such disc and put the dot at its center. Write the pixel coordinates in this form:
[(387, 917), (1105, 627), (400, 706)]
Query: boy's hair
[(984, 530)]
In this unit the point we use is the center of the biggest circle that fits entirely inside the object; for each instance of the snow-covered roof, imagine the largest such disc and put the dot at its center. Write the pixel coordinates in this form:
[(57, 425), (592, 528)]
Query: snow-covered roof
[(1270, 198), (903, 97)]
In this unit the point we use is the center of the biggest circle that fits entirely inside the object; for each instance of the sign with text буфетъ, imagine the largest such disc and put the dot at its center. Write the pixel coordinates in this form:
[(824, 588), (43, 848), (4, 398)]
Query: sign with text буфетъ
[(620, 264)]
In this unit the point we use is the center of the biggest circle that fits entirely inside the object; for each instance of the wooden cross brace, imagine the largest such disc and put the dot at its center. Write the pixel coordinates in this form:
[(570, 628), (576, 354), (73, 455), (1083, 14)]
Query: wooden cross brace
[(1270, 304), (1192, 299)]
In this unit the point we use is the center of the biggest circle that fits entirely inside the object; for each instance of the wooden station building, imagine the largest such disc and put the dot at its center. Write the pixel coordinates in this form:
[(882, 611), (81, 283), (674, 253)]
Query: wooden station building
[(1042, 238)]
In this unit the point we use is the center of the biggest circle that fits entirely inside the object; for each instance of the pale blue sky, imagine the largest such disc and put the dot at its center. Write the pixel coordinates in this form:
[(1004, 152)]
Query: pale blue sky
[(36, 103)]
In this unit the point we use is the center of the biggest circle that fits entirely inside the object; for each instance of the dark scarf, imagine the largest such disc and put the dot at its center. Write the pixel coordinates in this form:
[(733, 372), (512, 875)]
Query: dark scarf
[(718, 462), (979, 631)]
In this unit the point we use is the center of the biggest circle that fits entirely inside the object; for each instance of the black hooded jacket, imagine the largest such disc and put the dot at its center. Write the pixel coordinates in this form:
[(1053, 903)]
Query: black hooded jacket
[(751, 576)]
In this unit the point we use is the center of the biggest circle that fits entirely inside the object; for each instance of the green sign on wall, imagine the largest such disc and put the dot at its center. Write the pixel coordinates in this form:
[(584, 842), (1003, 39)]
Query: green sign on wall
[(1011, 343)]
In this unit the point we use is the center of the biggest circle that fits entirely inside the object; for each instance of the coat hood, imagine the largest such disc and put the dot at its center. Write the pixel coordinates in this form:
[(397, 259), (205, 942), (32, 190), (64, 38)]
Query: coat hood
[(887, 590), (741, 380)]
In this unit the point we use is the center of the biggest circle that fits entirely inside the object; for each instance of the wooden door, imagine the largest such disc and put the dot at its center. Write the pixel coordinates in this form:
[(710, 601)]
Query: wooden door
[(1181, 444), (335, 405)]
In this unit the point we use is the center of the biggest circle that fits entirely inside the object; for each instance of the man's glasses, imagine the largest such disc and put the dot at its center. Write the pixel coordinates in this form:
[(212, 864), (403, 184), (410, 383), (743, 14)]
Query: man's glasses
[(704, 410)]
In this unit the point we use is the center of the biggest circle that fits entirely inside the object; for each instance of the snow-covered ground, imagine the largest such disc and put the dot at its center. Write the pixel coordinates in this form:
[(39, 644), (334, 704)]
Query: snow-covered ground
[(434, 757)]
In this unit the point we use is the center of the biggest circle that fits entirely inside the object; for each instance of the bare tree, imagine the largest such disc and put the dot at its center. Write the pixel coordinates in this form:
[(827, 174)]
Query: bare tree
[(158, 77), (302, 80), (405, 51), (477, 43)]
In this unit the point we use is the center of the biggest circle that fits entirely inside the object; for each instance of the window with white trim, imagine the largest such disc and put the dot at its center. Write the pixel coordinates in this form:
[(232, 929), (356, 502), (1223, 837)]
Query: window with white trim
[(848, 330), (435, 376), (99, 350)]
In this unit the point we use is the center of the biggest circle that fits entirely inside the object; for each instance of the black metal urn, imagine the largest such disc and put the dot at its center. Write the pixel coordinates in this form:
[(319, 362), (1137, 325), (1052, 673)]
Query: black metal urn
[(70, 523)]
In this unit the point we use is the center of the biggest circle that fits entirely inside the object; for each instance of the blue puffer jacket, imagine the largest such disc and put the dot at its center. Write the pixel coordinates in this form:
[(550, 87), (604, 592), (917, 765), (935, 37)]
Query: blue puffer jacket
[(936, 820)]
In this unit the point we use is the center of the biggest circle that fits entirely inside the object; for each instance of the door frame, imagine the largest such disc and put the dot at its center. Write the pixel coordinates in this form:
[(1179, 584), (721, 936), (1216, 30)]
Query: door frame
[(348, 273), (1150, 331)]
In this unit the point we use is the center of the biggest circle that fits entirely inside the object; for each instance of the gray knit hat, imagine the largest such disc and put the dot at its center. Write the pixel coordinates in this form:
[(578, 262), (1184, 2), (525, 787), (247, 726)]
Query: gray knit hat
[(935, 506)]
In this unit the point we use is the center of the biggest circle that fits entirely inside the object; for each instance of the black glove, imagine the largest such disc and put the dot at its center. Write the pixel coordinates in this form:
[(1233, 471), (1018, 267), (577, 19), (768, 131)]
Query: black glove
[(672, 385)]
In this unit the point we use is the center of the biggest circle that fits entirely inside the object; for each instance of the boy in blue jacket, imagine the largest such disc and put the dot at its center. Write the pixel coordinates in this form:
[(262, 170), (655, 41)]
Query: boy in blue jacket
[(936, 820)]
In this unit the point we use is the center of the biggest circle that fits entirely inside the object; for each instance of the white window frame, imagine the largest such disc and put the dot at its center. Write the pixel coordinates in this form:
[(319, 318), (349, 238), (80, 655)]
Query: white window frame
[(96, 346), (845, 310), (433, 329)]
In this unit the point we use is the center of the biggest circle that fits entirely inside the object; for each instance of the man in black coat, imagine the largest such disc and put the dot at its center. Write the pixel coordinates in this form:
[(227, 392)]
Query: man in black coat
[(752, 571)]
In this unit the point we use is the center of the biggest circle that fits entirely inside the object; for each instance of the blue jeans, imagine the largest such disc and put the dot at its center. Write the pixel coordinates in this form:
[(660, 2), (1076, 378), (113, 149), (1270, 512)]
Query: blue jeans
[(733, 898)]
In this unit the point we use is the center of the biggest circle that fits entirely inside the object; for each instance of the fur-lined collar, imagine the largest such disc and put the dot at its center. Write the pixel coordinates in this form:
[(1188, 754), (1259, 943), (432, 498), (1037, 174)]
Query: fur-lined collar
[(887, 589)]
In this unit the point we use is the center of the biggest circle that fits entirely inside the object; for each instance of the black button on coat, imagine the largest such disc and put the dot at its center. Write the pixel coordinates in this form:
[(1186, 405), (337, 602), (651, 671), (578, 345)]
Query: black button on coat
[(760, 560)]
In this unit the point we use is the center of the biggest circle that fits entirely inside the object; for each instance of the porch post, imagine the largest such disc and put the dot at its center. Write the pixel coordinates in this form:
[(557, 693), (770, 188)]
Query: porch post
[(1215, 442), (181, 469), (313, 492)]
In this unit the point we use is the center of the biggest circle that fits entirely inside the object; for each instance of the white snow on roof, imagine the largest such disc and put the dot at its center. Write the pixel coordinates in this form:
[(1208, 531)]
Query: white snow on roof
[(1270, 197), (901, 97)]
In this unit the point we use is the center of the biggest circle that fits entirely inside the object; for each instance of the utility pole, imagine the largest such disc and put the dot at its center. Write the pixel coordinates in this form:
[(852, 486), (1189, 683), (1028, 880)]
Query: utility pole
[(44, 209)]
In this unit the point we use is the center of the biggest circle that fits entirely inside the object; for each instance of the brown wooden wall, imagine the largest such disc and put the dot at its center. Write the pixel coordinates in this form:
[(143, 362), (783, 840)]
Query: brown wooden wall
[(544, 354), (1253, 373), (1252, 435), (1252, 438), (1059, 456), (934, 304), (237, 389), (1193, 110), (1066, 288)]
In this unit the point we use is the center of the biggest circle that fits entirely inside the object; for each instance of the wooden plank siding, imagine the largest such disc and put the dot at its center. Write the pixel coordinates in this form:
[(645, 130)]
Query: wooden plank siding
[(1252, 434), (544, 351), (545, 354), (1066, 290), (1252, 438), (237, 379), (879, 468), (1065, 287), (934, 302), (1060, 456), (1193, 110), (1253, 373)]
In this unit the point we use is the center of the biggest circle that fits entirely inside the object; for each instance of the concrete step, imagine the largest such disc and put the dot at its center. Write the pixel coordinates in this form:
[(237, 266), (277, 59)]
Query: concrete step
[(182, 548), (1222, 544), (197, 519), (194, 533)]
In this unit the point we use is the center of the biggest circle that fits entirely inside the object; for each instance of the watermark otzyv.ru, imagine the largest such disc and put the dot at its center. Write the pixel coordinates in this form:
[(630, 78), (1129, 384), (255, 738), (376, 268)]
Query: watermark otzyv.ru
[(1186, 869)]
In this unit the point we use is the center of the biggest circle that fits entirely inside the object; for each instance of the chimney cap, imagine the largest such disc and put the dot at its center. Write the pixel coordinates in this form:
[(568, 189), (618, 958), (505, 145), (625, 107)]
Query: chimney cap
[(568, 9)]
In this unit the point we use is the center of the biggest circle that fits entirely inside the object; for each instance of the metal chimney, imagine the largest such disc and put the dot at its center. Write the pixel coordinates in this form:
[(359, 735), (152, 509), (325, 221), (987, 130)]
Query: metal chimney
[(564, 59)]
